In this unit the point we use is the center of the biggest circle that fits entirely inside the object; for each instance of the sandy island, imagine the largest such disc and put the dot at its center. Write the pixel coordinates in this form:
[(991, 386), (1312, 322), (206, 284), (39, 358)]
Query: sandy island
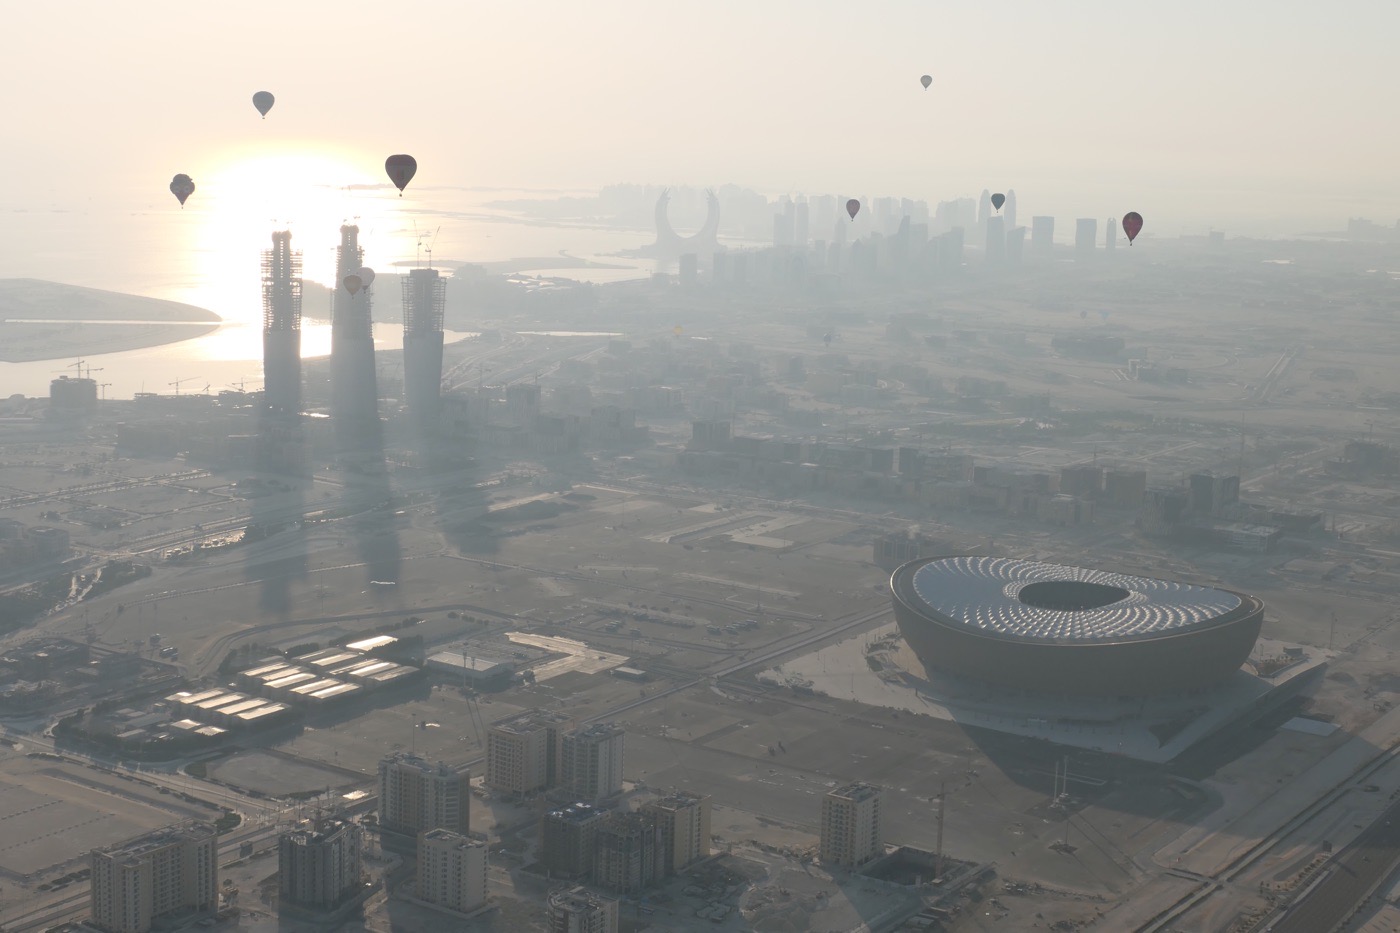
[(47, 320)]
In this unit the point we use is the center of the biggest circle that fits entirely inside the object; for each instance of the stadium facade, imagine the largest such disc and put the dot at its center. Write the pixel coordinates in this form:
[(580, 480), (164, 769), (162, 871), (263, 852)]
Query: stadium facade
[(1056, 629)]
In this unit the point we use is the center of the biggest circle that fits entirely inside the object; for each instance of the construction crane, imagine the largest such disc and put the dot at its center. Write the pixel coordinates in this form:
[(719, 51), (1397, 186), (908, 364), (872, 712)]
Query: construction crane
[(177, 382), (102, 386), (78, 366)]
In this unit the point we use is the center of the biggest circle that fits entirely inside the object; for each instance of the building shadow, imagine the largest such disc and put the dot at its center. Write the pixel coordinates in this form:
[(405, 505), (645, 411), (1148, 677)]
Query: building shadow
[(276, 513)]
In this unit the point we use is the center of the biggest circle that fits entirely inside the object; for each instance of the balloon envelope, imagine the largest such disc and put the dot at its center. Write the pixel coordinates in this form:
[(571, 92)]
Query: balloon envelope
[(352, 283), (182, 187), (366, 276), (1132, 225), (853, 208), (926, 80), (401, 169), (263, 100), (998, 200)]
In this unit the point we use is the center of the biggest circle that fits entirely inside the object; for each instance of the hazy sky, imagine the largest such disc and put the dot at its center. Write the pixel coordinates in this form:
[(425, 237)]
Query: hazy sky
[(1223, 113)]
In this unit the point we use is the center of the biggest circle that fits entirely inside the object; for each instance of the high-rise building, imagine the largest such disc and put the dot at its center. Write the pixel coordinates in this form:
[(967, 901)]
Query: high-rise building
[(416, 795), (996, 240), (451, 870), (592, 758), (683, 830), (522, 752), (784, 222), (424, 303), (1110, 235), (523, 403), (688, 270), (281, 282), (581, 911), (1086, 231), (1008, 210), (851, 830), (1042, 236), (626, 856), (69, 397), (800, 225), (318, 865), (171, 871), (567, 838), (950, 250), (1015, 245), (354, 393)]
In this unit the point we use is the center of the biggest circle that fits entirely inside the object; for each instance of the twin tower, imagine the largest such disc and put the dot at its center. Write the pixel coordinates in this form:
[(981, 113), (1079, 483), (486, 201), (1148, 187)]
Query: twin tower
[(354, 387)]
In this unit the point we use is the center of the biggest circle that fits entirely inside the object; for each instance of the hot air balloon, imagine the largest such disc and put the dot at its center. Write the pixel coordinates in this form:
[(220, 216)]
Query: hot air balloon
[(263, 100), (352, 283), (1132, 225), (366, 276), (926, 80), (998, 200), (401, 169), (853, 208), (182, 187)]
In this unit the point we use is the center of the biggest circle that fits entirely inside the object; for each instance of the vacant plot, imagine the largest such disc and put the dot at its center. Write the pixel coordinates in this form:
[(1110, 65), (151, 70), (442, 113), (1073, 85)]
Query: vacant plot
[(277, 775), (54, 812)]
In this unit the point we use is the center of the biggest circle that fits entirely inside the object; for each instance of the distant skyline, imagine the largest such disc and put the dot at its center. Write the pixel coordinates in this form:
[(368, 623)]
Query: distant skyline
[(1274, 118)]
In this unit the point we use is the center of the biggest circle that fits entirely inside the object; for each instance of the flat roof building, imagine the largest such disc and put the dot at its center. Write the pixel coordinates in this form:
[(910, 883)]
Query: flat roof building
[(451, 870), (415, 796), (318, 865), (591, 761), (683, 829), (625, 853), (139, 882), (851, 832), (567, 839), (523, 752), (581, 911)]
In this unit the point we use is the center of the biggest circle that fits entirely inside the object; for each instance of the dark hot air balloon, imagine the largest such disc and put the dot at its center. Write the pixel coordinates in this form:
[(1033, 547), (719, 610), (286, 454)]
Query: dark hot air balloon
[(853, 208), (182, 187), (366, 276), (352, 283), (926, 80), (1132, 225), (263, 100), (401, 169), (998, 200)]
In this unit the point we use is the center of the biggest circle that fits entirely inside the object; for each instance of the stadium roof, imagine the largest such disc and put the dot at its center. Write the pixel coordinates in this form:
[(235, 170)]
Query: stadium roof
[(1036, 601)]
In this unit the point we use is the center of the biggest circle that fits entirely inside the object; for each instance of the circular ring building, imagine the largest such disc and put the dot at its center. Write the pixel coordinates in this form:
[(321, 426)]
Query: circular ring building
[(1071, 630)]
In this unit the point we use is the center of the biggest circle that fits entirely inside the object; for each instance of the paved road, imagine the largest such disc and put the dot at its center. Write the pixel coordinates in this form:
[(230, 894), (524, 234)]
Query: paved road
[(1351, 877)]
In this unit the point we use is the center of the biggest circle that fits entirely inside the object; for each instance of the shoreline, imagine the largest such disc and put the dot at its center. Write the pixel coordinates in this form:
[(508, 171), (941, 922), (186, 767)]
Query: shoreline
[(41, 320)]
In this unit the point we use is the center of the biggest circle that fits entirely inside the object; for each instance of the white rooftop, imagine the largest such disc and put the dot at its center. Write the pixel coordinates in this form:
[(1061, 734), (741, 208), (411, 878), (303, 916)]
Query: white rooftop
[(993, 595)]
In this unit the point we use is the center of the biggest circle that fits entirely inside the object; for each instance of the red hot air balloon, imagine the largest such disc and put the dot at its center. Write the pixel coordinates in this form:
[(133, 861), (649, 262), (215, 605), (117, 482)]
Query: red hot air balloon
[(401, 169), (366, 276), (998, 200), (263, 100), (352, 283), (926, 80), (853, 208), (182, 187), (1132, 225)]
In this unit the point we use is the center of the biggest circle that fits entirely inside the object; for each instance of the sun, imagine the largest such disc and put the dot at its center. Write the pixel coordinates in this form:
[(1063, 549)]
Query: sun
[(310, 192)]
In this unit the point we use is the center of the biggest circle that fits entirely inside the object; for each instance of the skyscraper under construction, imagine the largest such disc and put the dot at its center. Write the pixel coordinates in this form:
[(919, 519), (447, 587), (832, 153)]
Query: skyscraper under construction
[(281, 275), (424, 301), (354, 393)]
